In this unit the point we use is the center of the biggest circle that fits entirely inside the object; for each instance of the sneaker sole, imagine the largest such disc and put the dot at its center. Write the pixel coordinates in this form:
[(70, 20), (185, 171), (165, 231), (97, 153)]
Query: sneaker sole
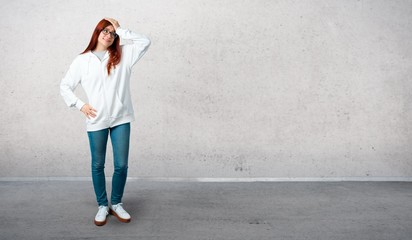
[(117, 216), (100, 223)]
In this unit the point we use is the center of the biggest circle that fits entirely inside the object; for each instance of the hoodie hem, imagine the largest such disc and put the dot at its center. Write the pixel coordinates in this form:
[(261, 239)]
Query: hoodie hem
[(113, 123)]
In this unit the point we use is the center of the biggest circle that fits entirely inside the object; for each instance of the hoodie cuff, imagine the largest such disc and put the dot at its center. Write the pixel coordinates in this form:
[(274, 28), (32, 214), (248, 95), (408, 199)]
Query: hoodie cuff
[(120, 31), (79, 104)]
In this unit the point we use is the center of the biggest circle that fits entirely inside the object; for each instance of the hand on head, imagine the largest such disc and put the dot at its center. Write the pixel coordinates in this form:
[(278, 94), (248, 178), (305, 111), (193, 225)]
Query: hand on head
[(114, 22)]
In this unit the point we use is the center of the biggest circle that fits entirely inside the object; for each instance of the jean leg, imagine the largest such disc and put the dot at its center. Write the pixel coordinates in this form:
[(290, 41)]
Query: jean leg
[(120, 137), (98, 144)]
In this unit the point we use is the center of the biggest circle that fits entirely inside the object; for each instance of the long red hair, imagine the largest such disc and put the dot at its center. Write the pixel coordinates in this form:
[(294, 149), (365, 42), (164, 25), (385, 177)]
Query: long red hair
[(115, 51)]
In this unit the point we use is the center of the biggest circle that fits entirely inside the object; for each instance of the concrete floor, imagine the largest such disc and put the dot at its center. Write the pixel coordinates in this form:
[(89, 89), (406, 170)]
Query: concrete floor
[(193, 210)]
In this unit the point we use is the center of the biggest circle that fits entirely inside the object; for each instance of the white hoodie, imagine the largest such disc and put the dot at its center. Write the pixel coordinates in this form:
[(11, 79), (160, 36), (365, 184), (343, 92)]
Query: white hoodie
[(109, 95)]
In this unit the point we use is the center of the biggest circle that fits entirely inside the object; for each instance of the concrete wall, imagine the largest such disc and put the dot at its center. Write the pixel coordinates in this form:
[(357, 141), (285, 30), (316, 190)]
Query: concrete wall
[(228, 88)]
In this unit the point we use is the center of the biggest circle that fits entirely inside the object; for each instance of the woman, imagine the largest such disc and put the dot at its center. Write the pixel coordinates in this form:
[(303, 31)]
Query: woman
[(103, 70)]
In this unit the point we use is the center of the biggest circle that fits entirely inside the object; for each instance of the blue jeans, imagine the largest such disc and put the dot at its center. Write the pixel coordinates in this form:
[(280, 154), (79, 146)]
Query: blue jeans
[(120, 138)]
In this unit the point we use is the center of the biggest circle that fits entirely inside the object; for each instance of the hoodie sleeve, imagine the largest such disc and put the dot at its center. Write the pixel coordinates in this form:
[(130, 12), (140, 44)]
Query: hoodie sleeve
[(133, 52), (69, 84)]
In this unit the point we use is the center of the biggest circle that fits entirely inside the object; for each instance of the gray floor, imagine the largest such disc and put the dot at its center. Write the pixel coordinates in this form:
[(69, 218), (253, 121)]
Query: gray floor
[(190, 210)]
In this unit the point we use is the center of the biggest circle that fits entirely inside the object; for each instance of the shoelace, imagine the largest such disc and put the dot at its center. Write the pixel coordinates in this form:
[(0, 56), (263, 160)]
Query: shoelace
[(119, 208), (102, 211)]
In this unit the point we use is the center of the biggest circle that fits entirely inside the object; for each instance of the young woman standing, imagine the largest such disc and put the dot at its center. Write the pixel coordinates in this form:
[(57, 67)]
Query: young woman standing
[(104, 70)]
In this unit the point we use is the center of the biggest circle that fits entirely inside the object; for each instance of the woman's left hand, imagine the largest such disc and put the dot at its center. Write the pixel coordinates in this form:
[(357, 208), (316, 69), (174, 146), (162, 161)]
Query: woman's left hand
[(114, 22)]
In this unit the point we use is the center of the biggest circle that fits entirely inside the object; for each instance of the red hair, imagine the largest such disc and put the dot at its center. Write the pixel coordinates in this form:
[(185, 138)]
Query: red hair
[(115, 51)]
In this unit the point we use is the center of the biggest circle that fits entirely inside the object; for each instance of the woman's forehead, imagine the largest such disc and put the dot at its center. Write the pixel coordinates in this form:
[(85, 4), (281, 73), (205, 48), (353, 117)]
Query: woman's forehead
[(110, 27)]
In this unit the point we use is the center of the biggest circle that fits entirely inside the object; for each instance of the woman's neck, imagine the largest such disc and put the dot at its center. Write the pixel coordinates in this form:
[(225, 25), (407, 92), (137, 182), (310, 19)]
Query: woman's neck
[(100, 48)]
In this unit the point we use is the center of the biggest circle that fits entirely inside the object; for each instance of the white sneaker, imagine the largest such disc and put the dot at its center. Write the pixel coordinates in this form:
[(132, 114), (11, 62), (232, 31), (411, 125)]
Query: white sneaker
[(101, 215), (118, 211)]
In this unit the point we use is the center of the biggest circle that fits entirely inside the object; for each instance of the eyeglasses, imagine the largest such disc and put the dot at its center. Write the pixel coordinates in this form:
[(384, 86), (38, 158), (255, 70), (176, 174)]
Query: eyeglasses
[(112, 34)]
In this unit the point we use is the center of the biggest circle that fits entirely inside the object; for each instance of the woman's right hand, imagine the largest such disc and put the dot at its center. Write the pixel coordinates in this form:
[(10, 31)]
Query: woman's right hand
[(88, 110)]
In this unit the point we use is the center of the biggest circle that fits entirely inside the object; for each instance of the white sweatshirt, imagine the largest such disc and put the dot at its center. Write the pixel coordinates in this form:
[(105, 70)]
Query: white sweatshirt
[(109, 95)]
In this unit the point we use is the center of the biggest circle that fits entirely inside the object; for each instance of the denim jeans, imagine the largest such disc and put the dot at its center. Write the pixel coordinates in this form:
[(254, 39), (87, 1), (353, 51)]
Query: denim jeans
[(120, 138)]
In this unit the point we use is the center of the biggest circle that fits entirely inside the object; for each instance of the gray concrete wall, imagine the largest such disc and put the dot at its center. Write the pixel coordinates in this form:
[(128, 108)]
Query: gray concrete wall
[(228, 88)]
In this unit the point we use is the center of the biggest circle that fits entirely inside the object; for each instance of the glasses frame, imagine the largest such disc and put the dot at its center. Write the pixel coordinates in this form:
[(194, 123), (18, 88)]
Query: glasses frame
[(107, 32)]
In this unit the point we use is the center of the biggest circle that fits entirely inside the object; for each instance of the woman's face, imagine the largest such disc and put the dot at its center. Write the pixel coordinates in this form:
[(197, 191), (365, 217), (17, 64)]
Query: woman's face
[(106, 37)]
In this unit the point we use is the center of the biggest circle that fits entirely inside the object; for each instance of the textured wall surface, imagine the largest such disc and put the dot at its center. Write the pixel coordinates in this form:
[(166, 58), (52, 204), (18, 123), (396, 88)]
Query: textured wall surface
[(228, 88)]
